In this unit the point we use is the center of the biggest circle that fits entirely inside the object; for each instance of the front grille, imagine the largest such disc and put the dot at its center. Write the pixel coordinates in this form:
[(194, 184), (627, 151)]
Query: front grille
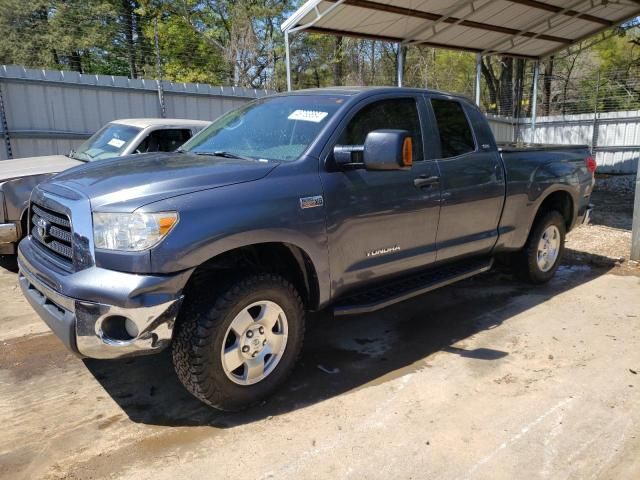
[(57, 238)]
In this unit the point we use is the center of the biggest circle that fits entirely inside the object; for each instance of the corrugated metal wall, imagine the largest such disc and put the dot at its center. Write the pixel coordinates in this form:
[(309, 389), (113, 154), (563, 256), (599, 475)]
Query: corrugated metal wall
[(616, 142), (54, 111), (51, 111), (502, 128)]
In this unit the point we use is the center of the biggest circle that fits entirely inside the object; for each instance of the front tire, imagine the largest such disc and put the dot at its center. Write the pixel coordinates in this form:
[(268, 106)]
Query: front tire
[(538, 261), (234, 350)]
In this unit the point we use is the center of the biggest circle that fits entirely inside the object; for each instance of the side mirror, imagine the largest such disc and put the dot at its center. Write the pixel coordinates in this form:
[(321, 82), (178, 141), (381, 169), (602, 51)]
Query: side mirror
[(388, 150), (382, 150)]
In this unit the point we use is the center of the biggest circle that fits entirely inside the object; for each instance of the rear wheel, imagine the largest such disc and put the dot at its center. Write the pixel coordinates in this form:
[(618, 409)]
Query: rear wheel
[(233, 350), (539, 259)]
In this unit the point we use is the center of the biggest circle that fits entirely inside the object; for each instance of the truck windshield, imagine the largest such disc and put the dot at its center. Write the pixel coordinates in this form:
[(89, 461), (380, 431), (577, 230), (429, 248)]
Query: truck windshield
[(278, 128), (110, 141)]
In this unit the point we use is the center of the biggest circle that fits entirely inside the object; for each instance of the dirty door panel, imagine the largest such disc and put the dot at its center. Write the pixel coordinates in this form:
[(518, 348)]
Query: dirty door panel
[(379, 222), (472, 184)]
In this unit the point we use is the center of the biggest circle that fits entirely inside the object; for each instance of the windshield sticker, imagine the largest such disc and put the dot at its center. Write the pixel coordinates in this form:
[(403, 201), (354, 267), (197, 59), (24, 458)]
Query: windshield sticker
[(308, 116), (116, 142)]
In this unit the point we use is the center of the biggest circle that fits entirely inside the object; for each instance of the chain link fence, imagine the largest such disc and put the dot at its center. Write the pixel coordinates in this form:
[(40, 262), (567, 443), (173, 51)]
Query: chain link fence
[(598, 108)]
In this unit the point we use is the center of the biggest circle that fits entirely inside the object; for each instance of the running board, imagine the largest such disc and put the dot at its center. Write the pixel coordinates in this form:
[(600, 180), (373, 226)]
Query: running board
[(395, 291)]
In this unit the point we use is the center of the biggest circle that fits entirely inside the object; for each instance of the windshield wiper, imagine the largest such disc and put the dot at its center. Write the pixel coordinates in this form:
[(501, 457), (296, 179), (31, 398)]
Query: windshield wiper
[(223, 154), (76, 156)]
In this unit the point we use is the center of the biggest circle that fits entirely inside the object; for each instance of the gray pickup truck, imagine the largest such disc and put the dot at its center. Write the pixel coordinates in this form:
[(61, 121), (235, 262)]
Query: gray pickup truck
[(350, 199), (116, 139)]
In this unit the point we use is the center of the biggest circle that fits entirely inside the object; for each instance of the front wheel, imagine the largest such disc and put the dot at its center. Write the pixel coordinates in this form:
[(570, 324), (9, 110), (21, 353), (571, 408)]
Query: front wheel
[(540, 258), (234, 350)]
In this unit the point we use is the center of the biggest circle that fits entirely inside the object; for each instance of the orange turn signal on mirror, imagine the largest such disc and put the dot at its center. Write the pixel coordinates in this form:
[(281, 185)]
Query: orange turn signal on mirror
[(407, 152)]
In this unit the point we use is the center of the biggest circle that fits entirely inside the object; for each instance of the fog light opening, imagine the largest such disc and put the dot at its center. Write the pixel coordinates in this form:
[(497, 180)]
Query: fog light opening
[(118, 328), (131, 328)]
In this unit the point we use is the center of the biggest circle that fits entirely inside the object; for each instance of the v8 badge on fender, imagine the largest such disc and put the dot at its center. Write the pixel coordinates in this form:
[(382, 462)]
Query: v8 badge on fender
[(311, 202)]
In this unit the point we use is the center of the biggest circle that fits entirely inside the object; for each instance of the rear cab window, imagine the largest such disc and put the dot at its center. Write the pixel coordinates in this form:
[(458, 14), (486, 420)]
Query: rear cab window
[(456, 136)]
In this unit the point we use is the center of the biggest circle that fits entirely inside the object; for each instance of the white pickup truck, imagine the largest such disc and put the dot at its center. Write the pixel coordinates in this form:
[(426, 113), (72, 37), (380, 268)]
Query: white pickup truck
[(116, 139)]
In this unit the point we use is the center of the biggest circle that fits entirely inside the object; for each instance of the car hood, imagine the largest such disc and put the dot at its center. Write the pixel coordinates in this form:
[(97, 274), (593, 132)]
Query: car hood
[(25, 167), (124, 184)]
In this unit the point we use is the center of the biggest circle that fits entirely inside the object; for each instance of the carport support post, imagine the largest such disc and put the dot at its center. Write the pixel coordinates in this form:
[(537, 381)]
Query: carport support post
[(287, 59), (534, 101), (162, 105), (478, 76), (635, 229), (400, 64)]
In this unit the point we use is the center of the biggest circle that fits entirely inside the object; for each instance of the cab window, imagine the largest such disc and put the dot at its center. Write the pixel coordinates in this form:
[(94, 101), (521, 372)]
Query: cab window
[(398, 113), (455, 133), (166, 140)]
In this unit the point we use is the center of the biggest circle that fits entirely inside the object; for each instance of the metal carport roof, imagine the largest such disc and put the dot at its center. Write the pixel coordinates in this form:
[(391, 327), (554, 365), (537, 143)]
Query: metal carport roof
[(526, 28)]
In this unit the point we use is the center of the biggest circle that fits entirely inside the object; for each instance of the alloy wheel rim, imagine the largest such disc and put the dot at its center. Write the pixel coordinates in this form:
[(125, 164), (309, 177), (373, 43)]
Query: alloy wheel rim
[(254, 342), (548, 248)]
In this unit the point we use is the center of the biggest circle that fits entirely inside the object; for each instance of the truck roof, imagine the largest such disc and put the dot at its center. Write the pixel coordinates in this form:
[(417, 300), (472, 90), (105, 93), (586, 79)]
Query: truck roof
[(155, 122), (356, 90)]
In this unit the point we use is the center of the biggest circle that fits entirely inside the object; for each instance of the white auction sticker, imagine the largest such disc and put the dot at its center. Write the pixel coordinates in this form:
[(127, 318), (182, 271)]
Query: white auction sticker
[(116, 142), (308, 116)]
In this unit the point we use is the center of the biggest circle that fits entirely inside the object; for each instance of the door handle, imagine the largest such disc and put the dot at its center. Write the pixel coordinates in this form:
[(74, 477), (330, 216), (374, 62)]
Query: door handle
[(423, 181)]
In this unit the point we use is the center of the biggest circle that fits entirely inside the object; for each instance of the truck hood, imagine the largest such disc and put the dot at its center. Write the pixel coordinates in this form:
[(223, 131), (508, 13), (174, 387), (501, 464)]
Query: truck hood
[(25, 167), (124, 184)]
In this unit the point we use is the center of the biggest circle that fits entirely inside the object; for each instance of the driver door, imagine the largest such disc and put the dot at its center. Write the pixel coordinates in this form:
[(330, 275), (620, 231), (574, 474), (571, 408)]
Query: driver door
[(380, 223)]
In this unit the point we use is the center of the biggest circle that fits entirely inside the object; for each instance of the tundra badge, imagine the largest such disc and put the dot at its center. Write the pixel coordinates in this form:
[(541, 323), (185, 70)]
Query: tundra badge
[(311, 202), (383, 251)]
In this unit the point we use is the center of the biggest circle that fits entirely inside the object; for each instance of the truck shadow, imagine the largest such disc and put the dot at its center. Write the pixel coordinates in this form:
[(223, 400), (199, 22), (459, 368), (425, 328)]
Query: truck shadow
[(348, 353), (9, 262)]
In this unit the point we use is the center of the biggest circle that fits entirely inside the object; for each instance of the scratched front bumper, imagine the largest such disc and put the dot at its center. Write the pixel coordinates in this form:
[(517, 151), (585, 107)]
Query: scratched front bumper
[(79, 323)]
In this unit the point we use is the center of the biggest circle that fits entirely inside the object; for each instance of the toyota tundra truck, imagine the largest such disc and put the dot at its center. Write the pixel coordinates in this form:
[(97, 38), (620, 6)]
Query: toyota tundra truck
[(351, 199)]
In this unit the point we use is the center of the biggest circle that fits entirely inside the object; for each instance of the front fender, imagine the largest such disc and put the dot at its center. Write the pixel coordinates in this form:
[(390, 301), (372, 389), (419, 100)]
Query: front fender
[(216, 221), (17, 193)]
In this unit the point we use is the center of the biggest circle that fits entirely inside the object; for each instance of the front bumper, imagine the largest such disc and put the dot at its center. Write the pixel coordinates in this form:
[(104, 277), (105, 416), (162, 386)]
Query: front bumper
[(81, 323)]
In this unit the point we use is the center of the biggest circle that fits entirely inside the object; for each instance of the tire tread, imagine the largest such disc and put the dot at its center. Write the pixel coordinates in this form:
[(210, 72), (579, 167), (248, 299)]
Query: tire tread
[(197, 325)]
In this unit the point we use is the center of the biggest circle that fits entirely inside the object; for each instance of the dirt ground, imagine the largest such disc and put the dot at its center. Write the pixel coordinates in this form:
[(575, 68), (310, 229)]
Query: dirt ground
[(486, 379)]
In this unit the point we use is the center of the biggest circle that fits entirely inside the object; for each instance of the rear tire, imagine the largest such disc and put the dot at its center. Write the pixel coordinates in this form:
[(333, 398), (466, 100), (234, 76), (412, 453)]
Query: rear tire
[(233, 350), (538, 261)]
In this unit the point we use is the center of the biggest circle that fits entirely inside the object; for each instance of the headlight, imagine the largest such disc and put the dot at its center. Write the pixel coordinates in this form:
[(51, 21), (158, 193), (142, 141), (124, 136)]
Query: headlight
[(131, 232)]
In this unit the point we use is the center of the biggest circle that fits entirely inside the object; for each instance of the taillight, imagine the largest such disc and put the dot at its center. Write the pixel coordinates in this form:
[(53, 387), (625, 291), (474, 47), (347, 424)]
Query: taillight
[(591, 164)]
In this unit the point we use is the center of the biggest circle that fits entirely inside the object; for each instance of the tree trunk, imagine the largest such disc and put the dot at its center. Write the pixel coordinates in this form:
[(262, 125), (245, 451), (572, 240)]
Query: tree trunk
[(75, 61), (361, 61), (546, 88), (519, 87), (490, 80), (373, 62), (530, 101), (506, 86), (127, 9), (337, 62), (56, 59)]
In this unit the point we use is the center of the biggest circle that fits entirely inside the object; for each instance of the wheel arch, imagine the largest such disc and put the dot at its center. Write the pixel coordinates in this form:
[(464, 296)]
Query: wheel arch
[(286, 259), (561, 201)]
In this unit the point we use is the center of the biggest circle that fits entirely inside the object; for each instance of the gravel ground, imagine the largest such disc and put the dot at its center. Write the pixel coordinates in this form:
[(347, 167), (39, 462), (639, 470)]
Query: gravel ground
[(606, 242), (485, 379)]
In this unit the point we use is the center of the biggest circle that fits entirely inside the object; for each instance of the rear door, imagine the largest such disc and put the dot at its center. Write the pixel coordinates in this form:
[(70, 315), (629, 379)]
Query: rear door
[(472, 180), (379, 222)]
